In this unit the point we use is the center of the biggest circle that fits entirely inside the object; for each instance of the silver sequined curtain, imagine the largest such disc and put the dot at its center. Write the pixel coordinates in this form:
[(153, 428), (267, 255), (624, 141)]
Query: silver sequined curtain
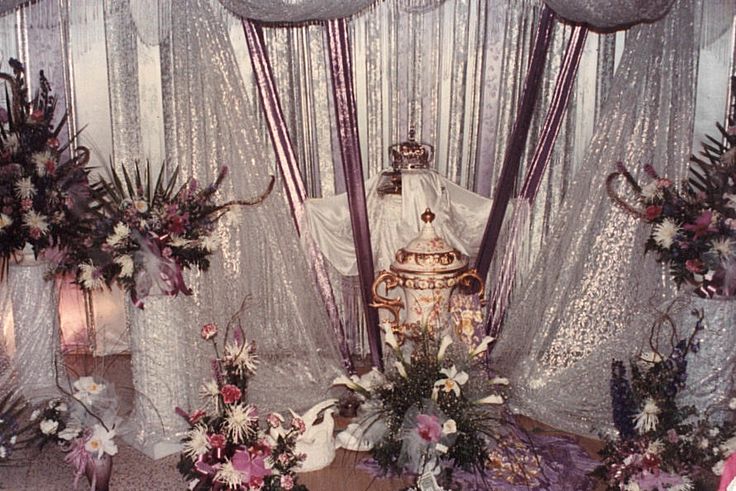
[(588, 293), (209, 123)]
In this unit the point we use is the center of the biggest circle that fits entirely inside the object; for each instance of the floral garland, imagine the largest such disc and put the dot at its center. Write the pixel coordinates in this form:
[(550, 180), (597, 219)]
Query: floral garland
[(43, 197), (226, 447), (661, 445), (694, 227), (145, 235)]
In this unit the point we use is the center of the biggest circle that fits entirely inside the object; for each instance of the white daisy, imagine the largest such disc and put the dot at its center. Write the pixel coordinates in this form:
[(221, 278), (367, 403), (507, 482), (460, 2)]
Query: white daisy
[(243, 357), (229, 476), (655, 447), (119, 233), (664, 233), (36, 221), (91, 277), (24, 188), (197, 442), (723, 247), (127, 266), (210, 242), (240, 420), (648, 418), (5, 221), (651, 190), (43, 161)]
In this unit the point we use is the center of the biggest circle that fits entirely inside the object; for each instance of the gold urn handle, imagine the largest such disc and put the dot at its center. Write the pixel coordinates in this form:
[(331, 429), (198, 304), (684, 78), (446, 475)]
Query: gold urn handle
[(469, 277), (393, 305)]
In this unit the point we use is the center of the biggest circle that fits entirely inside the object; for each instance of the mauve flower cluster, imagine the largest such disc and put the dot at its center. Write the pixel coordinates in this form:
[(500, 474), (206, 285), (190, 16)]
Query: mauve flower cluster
[(44, 193), (694, 224), (226, 446)]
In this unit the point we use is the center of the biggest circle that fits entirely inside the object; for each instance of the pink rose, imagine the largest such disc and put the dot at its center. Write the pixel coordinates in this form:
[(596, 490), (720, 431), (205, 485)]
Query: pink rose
[(217, 440), (298, 423), (274, 420), (287, 482), (283, 458), (694, 265), (230, 394), (26, 204), (53, 143), (653, 211), (208, 331)]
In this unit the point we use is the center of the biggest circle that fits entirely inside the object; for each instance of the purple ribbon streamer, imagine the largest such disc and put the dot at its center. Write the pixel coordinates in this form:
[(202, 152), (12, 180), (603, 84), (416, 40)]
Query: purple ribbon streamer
[(345, 107), (517, 140), (295, 189), (548, 136)]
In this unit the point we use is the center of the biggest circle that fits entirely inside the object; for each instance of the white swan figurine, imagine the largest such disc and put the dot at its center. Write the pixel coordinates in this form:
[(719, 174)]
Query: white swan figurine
[(318, 440)]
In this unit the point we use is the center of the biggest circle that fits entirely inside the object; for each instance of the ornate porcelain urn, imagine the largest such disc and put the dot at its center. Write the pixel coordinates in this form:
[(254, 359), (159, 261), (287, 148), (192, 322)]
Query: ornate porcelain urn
[(428, 270)]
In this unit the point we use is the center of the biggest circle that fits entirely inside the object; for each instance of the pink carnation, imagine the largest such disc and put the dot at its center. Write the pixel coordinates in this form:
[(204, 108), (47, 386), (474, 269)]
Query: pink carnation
[(230, 394), (208, 331), (287, 482)]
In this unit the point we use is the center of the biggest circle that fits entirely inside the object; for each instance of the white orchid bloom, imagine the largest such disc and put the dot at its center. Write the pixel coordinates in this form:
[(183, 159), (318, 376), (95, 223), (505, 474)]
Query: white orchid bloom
[(101, 442), (482, 346), (491, 399), (500, 381), (453, 381), (444, 344)]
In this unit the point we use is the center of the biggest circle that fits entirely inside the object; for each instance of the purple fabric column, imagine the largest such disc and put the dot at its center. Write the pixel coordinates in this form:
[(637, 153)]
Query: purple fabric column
[(552, 123), (345, 107), (295, 189), (517, 140)]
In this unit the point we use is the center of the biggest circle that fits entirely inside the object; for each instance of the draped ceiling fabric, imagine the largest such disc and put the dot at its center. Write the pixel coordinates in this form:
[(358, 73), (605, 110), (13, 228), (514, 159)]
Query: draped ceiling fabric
[(609, 14), (590, 290), (288, 11)]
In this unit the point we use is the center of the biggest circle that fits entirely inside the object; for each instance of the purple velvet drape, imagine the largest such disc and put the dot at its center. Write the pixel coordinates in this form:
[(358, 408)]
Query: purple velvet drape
[(517, 140), (552, 123), (345, 107), (295, 189)]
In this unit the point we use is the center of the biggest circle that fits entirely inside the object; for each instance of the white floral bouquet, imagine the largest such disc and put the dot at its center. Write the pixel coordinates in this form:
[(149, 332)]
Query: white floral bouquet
[(82, 424)]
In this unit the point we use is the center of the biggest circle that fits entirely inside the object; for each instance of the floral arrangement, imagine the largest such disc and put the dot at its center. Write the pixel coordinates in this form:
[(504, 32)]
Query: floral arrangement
[(226, 446), (145, 235), (43, 195), (693, 226), (433, 417), (661, 445), (82, 424)]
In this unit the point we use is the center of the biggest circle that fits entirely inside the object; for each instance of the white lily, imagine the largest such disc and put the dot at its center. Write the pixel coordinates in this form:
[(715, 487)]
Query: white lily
[(444, 344), (400, 368), (482, 346), (388, 335), (491, 399), (101, 442)]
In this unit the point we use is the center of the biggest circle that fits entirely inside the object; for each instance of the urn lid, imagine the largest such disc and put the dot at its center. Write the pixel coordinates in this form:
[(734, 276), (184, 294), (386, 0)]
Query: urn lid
[(429, 253)]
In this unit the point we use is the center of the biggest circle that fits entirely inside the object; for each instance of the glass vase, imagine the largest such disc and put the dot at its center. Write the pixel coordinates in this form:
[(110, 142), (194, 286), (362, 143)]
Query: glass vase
[(98, 472)]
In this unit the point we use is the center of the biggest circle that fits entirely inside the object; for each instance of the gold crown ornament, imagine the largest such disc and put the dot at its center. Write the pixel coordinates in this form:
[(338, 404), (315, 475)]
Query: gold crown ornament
[(411, 154)]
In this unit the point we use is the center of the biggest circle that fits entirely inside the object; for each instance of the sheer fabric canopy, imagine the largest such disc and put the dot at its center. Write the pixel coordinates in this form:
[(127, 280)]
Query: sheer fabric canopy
[(608, 14), (294, 10)]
